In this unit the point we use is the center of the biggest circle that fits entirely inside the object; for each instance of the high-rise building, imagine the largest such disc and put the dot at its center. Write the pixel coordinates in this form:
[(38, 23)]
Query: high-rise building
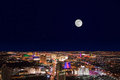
[(83, 71), (60, 73), (6, 72), (67, 65), (43, 59)]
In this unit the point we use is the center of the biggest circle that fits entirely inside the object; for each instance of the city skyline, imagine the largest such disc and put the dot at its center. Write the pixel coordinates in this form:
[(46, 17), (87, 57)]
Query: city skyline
[(60, 65)]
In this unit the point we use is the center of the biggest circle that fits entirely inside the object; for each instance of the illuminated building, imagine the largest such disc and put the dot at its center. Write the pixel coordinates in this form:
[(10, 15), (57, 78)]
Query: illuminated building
[(75, 72), (67, 65), (43, 59), (26, 56), (53, 56), (80, 55), (63, 58), (48, 57), (36, 58), (83, 71), (30, 53), (34, 70)]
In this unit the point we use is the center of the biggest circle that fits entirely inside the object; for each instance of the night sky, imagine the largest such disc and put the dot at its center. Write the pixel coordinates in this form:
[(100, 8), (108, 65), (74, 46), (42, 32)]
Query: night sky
[(35, 25)]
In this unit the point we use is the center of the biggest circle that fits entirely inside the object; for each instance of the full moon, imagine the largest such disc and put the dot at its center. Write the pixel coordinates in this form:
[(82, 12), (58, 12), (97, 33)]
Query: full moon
[(78, 23)]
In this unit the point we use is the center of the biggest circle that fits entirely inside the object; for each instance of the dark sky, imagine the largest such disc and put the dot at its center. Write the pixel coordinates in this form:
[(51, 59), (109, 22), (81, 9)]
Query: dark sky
[(49, 25)]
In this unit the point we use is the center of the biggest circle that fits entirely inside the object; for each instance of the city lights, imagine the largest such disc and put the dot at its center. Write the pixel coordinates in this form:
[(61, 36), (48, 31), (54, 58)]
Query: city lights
[(61, 65)]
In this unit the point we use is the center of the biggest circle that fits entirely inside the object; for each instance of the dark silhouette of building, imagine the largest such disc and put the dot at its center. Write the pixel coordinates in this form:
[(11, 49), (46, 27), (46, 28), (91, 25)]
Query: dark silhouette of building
[(6, 72), (60, 73)]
